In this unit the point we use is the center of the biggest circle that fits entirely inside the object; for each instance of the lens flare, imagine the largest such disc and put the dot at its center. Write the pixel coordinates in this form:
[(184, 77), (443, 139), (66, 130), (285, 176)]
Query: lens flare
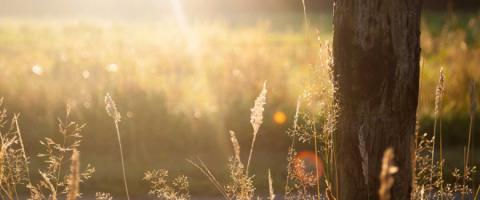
[(279, 117), (305, 168)]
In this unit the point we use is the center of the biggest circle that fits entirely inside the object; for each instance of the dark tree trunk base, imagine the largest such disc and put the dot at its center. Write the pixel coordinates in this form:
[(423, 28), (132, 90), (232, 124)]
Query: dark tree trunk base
[(376, 72)]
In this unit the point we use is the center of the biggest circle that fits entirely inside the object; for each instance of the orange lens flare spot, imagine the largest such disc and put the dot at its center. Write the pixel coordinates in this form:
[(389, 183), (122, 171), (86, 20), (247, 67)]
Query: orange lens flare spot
[(305, 167), (279, 117)]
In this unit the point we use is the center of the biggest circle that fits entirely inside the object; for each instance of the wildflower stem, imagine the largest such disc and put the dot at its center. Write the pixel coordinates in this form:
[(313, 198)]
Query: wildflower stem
[(470, 127)]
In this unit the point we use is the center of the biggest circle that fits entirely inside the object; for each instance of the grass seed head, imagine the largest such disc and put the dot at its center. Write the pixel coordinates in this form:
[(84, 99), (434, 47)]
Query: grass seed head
[(236, 147), (256, 117), (111, 108)]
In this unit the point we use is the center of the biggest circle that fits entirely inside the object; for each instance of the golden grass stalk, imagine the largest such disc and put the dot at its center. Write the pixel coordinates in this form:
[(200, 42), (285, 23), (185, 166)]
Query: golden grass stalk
[(113, 112), (204, 169), (292, 145), (15, 120), (270, 186), (476, 193), (386, 175), (256, 119), (328, 191), (4, 146), (317, 177), (439, 91), (465, 168), (297, 113), (74, 178), (49, 185), (473, 107), (422, 193)]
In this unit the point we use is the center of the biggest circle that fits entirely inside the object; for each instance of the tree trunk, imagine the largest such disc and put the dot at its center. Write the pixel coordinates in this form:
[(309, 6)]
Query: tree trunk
[(376, 71)]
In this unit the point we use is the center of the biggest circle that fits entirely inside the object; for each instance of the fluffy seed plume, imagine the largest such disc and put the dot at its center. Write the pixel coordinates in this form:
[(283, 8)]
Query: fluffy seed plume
[(439, 91), (386, 175), (111, 108), (236, 147), (256, 118), (297, 112), (113, 112)]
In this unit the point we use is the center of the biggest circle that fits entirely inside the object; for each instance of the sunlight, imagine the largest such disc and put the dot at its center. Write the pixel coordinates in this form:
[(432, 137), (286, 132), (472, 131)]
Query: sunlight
[(135, 85), (279, 117), (112, 67), (37, 69), (183, 25), (86, 74), (179, 15), (305, 167)]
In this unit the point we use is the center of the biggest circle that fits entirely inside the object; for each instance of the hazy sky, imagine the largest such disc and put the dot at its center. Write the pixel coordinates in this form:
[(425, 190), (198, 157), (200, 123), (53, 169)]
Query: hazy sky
[(139, 8), (154, 9)]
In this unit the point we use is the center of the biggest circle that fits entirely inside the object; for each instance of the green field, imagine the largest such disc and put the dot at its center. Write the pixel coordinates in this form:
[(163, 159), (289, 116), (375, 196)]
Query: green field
[(181, 88)]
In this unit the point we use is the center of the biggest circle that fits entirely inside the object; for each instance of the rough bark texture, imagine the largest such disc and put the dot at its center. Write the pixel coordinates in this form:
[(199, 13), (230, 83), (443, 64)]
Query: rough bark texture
[(376, 71)]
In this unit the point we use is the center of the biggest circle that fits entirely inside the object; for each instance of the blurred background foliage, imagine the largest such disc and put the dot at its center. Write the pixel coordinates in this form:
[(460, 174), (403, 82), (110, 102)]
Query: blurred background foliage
[(180, 85)]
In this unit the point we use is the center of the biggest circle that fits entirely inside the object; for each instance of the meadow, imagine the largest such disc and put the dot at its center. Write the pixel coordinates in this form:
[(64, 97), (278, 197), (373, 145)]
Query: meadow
[(180, 89)]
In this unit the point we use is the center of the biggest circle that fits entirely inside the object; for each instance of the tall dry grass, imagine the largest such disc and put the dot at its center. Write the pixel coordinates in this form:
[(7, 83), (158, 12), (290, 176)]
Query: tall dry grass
[(55, 181), (241, 183), (112, 111), (161, 188), (256, 119), (301, 182), (429, 171)]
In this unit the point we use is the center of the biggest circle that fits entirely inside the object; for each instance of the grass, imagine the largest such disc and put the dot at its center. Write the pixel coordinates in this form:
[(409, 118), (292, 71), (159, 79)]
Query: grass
[(180, 101), (112, 111)]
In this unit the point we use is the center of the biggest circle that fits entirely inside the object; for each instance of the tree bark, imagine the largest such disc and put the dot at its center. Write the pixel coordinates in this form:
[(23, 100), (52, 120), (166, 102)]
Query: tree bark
[(376, 73)]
